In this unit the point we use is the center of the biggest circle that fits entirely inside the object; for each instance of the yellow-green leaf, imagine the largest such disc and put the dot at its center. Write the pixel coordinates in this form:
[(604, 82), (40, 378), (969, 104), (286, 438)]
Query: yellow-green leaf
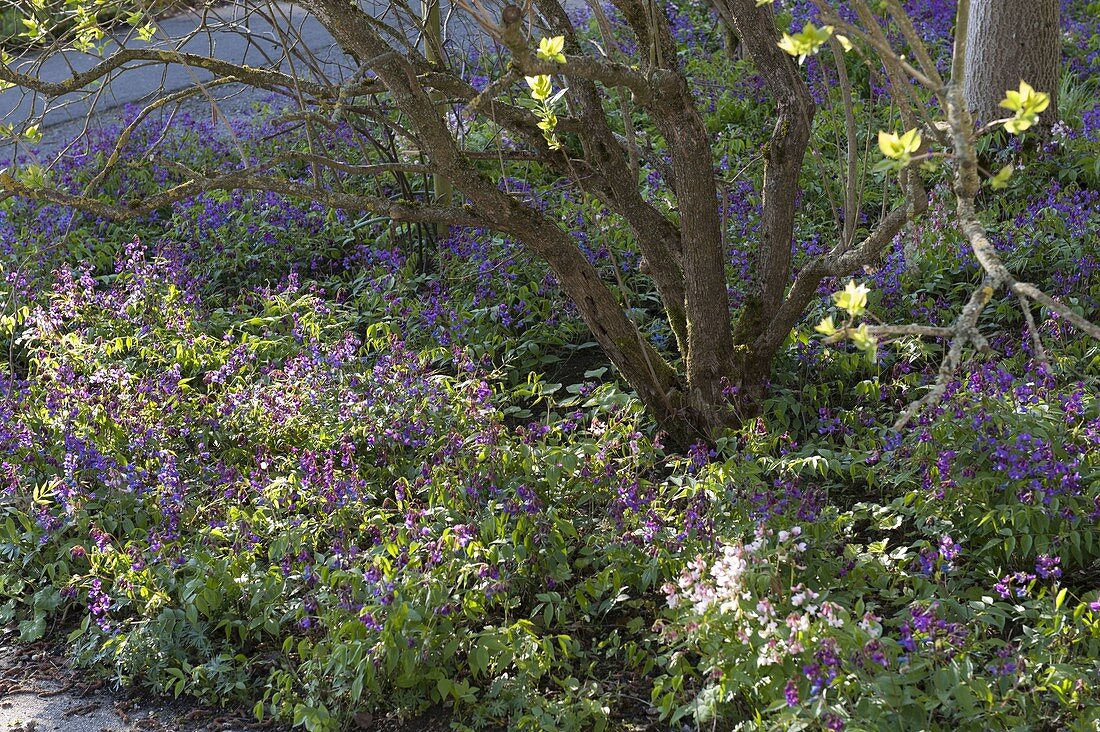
[(806, 42), (146, 32), (864, 341), (1026, 99), (898, 147), (541, 87), (550, 49), (1000, 180), (826, 326), (1020, 122), (853, 298)]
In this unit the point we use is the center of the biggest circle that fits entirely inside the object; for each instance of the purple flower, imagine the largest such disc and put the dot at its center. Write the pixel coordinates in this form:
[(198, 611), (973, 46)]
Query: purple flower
[(905, 638), (927, 628), (99, 604), (369, 621), (790, 691), (1013, 585), (874, 652), (928, 559), (948, 548), (1005, 663), (824, 670), (1046, 566), (923, 617)]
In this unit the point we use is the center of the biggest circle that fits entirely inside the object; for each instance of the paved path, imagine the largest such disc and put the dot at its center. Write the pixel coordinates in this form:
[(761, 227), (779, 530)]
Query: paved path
[(40, 693), (29, 712), (251, 41), (227, 34)]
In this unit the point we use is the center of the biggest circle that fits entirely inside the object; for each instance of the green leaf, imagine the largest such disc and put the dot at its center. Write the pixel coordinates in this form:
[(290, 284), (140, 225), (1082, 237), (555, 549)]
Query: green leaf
[(853, 298), (805, 43), (550, 49), (1000, 180), (32, 630)]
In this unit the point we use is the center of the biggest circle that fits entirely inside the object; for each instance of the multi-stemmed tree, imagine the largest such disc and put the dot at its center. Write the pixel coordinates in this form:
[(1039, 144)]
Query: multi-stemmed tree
[(575, 108)]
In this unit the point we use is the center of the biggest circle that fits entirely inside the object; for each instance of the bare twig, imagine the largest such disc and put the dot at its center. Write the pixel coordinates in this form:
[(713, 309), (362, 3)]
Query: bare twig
[(1036, 339)]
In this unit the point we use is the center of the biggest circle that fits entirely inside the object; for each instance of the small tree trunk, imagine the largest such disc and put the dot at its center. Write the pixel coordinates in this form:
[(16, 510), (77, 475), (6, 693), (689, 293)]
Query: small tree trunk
[(1009, 41), (783, 158), (709, 358), (433, 46)]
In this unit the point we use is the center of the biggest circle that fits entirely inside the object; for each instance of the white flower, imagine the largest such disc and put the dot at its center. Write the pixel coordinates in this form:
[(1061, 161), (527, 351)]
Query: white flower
[(798, 622), (769, 653), (830, 611), (768, 630), (801, 594), (870, 624)]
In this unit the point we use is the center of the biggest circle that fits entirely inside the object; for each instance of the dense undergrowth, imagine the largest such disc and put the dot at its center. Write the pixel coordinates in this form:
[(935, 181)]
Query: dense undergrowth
[(258, 452)]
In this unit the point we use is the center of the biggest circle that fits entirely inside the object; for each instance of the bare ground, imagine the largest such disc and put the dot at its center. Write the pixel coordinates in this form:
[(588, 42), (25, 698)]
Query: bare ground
[(40, 692)]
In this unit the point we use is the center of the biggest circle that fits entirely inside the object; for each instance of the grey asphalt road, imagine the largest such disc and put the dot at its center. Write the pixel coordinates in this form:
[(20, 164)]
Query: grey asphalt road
[(230, 36), (228, 32), (39, 693), (29, 712)]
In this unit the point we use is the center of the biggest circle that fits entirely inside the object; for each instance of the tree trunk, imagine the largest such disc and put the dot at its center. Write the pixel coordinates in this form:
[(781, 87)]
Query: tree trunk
[(708, 360), (1009, 41), (783, 157)]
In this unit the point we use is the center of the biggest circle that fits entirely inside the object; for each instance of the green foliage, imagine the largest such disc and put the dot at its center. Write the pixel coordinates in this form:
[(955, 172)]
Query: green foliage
[(938, 604), (281, 458)]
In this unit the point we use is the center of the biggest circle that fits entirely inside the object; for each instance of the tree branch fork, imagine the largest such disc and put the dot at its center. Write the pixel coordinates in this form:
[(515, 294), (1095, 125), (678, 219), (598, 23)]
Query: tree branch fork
[(601, 163)]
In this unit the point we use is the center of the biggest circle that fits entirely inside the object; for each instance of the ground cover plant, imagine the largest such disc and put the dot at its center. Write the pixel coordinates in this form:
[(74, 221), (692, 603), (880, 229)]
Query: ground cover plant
[(265, 452), (411, 108)]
